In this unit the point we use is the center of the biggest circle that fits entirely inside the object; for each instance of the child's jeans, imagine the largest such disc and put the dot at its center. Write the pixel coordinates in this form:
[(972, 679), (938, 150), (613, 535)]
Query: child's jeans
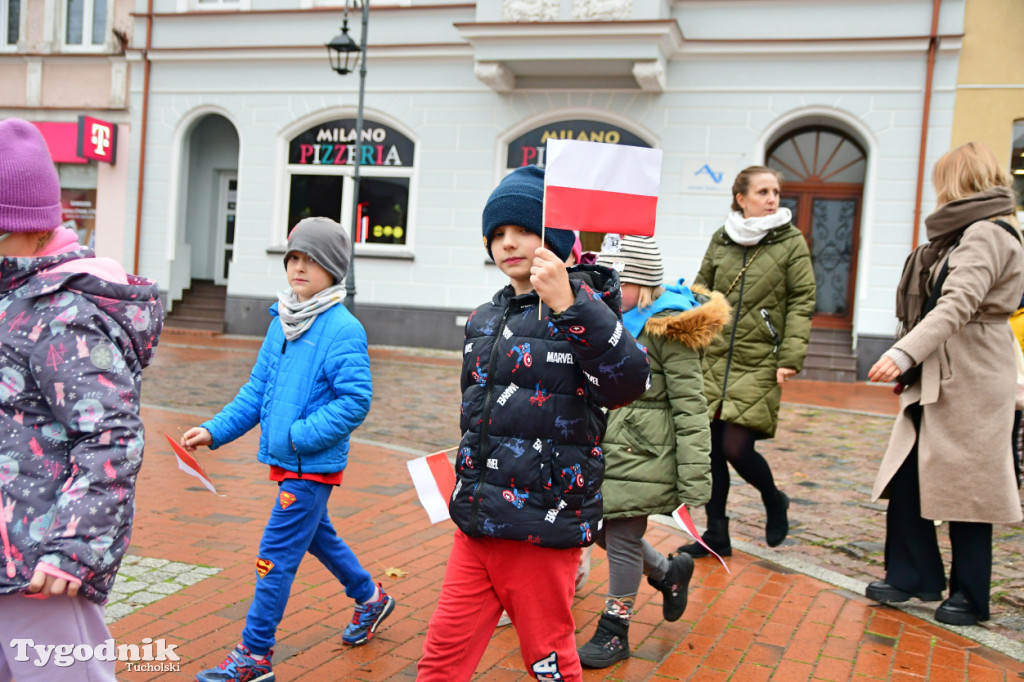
[(534, 584), (298, 523), (50, 622)]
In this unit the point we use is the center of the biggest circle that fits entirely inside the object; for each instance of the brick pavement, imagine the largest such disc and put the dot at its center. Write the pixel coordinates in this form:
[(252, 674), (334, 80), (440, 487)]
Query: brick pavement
[(767, 620)]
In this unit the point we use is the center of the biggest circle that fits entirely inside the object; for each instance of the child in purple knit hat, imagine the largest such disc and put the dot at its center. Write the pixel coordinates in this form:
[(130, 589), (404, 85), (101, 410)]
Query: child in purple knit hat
[(77, 331)]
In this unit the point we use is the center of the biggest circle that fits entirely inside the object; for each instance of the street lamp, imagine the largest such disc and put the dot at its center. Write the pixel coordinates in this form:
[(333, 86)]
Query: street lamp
[(343, 53)]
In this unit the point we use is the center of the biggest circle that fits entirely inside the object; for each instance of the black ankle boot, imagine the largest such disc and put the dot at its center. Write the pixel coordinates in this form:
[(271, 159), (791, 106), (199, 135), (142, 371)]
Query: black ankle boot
[(716, 537), (674, 586), (776, 528), (609, 644)]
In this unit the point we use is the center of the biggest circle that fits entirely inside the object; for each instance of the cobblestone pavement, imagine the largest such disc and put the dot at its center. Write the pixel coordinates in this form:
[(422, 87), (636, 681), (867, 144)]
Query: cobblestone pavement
[(825, 458), (144, 580)]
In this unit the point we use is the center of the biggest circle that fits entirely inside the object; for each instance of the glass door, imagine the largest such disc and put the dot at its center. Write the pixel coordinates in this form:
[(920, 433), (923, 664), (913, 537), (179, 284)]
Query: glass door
[(829, 222), (225, 225)]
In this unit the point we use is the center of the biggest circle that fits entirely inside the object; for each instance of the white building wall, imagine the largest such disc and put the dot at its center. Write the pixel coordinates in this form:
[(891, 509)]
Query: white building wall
[(721, 103)]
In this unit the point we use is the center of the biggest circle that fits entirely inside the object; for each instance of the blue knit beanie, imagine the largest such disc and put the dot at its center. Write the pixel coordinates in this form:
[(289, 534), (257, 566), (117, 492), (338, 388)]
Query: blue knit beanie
[(519, 200)]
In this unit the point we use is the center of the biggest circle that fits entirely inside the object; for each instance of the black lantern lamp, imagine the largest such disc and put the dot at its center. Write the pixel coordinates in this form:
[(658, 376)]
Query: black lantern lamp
[(345, 54), (342, 51)]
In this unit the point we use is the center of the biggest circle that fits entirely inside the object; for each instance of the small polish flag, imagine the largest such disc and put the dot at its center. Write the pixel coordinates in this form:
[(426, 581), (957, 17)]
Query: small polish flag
[(434, 479), (682, 516), (190, 466), (600, 187)]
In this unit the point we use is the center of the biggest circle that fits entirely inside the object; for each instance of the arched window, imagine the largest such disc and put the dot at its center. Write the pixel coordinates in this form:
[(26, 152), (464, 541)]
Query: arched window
[(320, 183), (819, 155), (1017, 162)]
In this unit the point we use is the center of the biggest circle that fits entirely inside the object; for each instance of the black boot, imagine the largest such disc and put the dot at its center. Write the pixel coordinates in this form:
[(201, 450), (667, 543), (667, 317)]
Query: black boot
[(609, 644), (674, 586), (776, 528), (716, 537)]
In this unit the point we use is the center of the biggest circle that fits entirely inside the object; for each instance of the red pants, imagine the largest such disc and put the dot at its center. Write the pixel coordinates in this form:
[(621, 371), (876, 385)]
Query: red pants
[(534, 584)]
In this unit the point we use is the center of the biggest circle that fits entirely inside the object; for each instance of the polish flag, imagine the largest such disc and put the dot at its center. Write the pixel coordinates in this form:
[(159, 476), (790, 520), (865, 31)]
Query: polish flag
[(599, 187), (434, 479), (190, 466), (682, 517)]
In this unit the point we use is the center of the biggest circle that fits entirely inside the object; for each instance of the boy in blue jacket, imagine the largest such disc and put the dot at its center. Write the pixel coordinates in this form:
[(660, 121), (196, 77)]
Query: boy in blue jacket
[(309, 390)]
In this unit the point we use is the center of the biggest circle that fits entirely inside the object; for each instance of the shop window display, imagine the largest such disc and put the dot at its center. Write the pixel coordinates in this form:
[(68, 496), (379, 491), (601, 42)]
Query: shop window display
[(320, 167)]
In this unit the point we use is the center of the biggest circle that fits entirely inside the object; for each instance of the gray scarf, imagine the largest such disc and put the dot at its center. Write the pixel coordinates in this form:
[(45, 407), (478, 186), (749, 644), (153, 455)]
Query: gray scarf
[(297, 317)]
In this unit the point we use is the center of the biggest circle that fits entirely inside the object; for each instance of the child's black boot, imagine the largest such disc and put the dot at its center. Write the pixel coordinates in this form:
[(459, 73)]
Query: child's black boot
[(674, 586), (609, 644)]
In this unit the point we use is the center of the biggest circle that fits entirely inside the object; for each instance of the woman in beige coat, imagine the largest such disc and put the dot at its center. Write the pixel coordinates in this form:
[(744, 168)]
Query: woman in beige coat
[(949, 455)]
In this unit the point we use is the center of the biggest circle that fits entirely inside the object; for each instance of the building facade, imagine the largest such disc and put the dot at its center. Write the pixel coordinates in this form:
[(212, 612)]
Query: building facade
[(245, 130), (989, 105), (63, 67)]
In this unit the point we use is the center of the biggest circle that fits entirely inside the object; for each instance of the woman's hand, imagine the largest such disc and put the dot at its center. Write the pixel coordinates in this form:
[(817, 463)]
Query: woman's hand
[(195, 437), (783, 373), (885, 370)]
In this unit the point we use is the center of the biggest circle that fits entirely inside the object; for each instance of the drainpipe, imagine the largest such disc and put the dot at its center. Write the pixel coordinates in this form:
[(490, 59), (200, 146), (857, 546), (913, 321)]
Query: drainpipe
[(142, 133), (933, 45)]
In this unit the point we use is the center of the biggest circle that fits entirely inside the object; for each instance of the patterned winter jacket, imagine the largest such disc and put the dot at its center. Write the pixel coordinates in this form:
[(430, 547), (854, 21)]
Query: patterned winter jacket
[(307, 395), (72, 349), (529, 465)]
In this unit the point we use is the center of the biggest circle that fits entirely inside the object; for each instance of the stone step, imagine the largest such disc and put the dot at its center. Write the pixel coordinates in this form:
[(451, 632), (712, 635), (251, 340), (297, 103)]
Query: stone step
[(193, 323), (189, 309), (835, 375)]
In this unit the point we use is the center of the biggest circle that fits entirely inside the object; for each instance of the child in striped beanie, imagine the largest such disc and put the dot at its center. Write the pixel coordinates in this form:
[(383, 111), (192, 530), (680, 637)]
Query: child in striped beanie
[(656, 448)]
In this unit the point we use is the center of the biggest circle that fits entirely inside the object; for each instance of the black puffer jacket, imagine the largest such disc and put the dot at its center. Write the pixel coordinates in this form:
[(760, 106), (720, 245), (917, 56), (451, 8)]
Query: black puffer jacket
[(529, 466)]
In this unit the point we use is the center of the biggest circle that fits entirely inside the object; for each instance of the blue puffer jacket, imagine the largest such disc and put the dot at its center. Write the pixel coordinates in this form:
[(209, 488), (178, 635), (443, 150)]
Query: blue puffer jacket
[(307, 395)]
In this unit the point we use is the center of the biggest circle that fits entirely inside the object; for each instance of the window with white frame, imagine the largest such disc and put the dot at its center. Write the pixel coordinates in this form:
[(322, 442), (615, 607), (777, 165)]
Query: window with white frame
[(86, 23), (1017, 162), (320, 181), (10, 22), (215, 4)]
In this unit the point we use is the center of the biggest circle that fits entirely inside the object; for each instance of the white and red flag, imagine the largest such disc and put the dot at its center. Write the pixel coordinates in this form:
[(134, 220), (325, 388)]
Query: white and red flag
[(600, 187), (190, 465), (434, 479), (682, 516)]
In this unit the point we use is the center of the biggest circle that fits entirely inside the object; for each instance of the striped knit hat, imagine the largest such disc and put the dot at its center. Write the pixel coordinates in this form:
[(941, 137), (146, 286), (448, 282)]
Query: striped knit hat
[(636, 259)]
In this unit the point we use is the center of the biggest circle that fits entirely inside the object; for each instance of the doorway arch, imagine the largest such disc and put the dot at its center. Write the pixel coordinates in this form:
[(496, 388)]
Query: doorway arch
[(824, 169), (210, 156)]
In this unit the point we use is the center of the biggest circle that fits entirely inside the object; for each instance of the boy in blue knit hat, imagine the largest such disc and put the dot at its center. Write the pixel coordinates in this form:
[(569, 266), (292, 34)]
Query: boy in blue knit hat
[(529, 467), (309, 390)]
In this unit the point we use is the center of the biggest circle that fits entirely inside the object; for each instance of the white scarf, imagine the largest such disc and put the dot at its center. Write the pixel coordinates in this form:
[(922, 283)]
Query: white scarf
[(297, 316), (749, 231)]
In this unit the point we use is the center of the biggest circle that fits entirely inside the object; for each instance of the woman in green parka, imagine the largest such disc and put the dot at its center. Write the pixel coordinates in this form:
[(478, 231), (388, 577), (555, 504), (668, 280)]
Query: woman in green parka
[(761, 262), (656, 448)]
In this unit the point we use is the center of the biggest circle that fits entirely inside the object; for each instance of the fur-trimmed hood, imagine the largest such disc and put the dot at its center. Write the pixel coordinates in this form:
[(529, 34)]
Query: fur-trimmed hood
[(697, 327)]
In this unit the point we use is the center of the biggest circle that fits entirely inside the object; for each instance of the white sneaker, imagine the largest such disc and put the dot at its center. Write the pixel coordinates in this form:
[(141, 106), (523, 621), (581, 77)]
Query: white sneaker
[(504, 620)]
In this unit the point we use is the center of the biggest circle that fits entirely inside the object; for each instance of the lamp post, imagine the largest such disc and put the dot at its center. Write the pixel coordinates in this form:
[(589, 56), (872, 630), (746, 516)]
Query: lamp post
[(341, 51)]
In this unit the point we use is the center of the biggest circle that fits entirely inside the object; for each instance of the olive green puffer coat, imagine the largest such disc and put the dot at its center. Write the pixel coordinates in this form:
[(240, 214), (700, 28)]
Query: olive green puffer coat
[(657, 448), (773, 302)]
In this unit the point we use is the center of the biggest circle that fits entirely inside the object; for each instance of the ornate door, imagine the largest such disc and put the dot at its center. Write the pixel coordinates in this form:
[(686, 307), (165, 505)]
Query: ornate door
[(823, 170)]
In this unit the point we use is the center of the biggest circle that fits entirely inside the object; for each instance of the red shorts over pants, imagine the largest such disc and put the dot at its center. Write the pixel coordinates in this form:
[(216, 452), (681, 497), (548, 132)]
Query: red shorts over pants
[(534, 584)]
